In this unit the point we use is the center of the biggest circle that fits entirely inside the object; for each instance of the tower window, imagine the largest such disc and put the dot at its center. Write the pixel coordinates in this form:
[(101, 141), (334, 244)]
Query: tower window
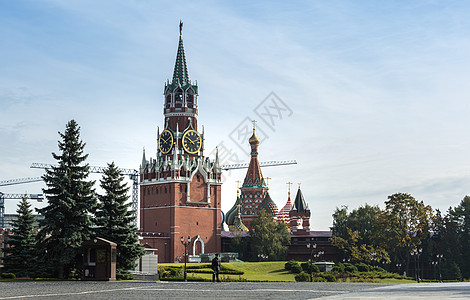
[(190, 100)]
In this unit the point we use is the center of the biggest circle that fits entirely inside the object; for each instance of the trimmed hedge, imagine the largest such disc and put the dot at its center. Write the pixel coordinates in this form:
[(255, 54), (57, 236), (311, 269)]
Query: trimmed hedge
[(166, 272), (329, 277), (302, 277), (7, 276), (290, 263), (310, 267), (200, 266)]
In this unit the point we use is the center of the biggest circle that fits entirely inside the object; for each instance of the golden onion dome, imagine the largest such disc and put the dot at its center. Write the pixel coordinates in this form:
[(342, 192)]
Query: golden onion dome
[(253, 139)]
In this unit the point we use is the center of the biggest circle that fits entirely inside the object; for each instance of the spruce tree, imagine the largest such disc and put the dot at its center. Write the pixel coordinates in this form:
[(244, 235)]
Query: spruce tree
[(115, 220), (71, 203), (19, 253)]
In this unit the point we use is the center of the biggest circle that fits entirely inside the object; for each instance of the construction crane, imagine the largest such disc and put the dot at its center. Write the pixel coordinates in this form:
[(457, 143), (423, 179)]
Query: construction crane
[(3, 197), (261, 164), (133, 175), (19, 181)]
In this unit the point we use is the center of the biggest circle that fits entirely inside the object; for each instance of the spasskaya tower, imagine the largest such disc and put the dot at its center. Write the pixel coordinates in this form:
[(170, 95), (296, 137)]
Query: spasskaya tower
[(180, 190)]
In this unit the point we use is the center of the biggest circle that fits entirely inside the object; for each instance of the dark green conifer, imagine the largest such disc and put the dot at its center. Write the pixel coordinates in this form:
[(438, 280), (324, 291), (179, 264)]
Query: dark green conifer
[(19, 253), (71, 203), (115, 220)]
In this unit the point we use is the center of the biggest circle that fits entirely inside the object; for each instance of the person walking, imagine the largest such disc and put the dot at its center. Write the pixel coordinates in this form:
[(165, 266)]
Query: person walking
[(216, 268)]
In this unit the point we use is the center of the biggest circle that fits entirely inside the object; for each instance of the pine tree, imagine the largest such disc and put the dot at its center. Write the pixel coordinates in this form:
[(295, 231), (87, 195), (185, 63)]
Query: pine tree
[(71, 202), (115, 220), (20, 251)]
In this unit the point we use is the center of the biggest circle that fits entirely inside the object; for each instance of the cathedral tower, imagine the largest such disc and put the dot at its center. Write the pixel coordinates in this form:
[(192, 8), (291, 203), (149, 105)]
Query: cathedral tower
[(299, 215), (254, 191), (180, 190)]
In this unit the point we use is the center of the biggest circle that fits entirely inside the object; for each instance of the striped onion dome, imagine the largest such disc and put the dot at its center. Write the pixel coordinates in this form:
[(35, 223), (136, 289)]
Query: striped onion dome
[(269, 205), (232, 213), (283, 214)]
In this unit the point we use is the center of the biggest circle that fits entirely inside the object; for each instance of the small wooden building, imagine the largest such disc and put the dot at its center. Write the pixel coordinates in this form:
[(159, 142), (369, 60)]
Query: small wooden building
[(99, 259)]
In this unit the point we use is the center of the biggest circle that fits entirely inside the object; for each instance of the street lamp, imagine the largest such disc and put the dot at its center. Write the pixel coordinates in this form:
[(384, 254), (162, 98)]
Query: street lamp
[(185, 253), (374, 258), (398, 268), (312, 247), (439, 258), (434, 264), (319, 254), (417, 253)]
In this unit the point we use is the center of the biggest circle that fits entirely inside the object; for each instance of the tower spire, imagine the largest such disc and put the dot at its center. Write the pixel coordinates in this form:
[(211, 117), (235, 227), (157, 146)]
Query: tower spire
[(180, 73), (254, 177), (181, 28)]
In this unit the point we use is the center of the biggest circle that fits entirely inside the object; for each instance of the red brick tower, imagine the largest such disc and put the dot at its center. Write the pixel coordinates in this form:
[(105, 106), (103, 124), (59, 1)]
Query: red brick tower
[(299, 215), (180, 190)]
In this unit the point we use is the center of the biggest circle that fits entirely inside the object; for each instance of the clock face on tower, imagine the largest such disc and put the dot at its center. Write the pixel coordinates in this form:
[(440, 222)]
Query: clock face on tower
[(192, 141), (165, 141)]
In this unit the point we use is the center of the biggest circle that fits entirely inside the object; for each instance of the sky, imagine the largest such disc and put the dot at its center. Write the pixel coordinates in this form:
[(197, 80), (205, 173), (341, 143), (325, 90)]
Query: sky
[(369, 97)]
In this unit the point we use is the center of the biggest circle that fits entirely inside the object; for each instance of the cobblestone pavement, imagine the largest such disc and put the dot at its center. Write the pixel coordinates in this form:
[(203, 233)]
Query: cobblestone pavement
[(421, 291), (233, 290), (174, 290)]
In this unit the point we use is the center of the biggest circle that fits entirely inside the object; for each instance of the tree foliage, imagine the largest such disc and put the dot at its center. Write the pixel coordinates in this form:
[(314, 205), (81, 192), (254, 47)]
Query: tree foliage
[(354, 234), (115, 220), (71, 203), (19, 253), (269, 240), (357, 251), (458, 235), (363, 220), (403, 226), (404, 223)]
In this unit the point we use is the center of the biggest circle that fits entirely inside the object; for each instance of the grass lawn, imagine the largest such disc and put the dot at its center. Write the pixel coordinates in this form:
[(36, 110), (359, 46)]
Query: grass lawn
[(263, 271), (253, 271), (266, 271)]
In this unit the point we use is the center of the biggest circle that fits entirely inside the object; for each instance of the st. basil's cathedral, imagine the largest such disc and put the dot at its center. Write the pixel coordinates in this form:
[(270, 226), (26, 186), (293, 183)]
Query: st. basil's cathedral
[(180, 189)]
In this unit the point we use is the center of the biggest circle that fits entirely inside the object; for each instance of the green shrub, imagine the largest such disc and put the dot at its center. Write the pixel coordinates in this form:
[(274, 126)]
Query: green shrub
[(7, 276), (124, 275), (309, 267), (378, 269), (350, 268), (296, 269), (223, 270), (199, 266), (170, 272), (362, 267), (302, 276), (290, 263), (329, 277), (338, 267), (319, 279)]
